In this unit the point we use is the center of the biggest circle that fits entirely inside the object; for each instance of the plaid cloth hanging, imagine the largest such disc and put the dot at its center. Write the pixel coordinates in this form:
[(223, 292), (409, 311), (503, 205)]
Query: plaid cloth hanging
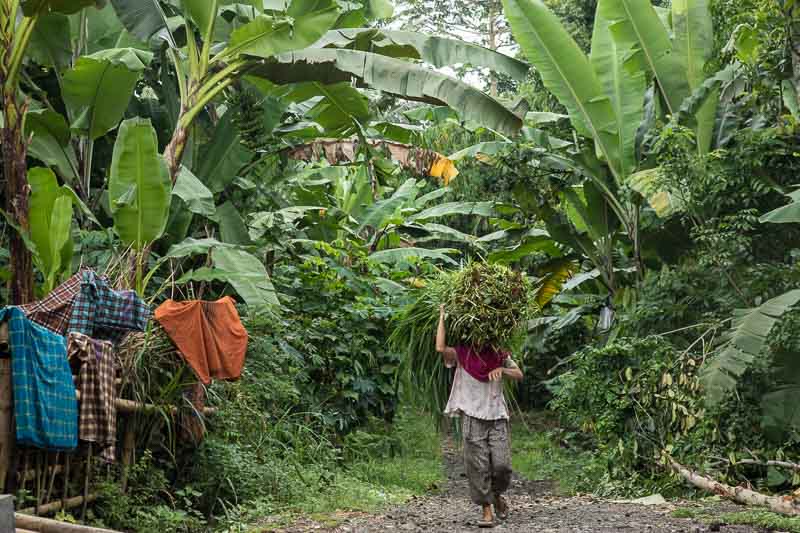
[(98, 413), (86, 304), (45, 406)]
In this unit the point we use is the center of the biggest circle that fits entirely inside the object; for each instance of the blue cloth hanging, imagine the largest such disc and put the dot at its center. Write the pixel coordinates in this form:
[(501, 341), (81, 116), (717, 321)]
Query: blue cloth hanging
[(45, 405)]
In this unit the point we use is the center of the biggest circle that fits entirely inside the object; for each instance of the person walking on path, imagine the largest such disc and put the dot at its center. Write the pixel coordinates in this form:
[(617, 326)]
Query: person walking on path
[(477, 397)]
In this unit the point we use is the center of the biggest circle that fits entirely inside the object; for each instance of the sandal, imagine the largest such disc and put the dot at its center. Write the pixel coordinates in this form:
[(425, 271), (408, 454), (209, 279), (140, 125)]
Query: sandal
[(500, 507)]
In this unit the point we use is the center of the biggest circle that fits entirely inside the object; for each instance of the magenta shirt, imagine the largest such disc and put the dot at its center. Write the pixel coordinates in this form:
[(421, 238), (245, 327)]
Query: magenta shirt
[(480, 364)]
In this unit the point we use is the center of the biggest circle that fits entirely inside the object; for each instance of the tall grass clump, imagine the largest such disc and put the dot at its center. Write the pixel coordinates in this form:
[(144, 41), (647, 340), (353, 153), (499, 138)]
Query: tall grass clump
[(486, 306)]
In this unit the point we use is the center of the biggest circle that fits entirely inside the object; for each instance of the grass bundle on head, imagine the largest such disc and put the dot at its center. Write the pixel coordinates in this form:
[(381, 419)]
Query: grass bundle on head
[(486, 306)]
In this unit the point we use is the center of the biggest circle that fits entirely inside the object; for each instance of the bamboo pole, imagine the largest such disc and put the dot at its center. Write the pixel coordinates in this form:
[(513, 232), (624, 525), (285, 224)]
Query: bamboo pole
[(86, 482), (128, 447), (54, 507), (130, 406), (65, 480), (38, 524), (52, 477)]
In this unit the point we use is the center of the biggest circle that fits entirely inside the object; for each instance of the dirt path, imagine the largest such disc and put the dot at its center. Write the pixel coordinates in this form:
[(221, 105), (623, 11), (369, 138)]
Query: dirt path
[(534, 509)]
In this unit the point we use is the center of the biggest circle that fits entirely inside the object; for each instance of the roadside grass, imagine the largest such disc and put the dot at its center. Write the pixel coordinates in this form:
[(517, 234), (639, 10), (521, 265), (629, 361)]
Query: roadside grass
[(538, 455), (763, 519), (369, 480)]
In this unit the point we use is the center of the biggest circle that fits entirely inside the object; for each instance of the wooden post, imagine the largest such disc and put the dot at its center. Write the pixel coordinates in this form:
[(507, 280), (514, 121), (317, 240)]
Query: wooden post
[(7, 513), (7, 437), (86, 482), (128, 447), (65, 487)]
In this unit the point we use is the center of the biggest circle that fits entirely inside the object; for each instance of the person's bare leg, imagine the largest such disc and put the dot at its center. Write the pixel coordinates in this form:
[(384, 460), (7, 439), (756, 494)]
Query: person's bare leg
[(501, 507), (488, 516)]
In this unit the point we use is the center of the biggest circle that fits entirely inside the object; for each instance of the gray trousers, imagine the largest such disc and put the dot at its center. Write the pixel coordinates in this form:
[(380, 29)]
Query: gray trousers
[(487, 458)]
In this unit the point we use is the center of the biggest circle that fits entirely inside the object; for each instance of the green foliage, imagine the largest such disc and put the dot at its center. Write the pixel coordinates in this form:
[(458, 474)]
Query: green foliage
[(762, 519), (636, 397), (51, 225), (149, 506)]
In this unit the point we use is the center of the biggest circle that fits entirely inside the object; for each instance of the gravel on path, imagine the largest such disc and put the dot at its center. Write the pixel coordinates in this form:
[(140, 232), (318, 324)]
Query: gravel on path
[(535, 508)]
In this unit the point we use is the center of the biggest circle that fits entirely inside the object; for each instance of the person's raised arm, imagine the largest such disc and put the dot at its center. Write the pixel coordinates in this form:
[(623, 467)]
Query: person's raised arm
[(448, 352)]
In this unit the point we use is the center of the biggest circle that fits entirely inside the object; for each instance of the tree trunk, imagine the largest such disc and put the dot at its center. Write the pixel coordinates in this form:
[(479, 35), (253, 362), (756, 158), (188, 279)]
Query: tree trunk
[(15, 173), (492, 46), (173, 153)]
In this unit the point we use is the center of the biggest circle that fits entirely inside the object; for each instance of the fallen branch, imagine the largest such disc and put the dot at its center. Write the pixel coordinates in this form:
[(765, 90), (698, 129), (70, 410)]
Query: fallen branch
[(780, 504), (778, 464)]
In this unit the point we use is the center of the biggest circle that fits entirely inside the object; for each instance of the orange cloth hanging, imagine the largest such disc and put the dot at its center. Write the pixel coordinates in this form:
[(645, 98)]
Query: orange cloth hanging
[(209, 335)]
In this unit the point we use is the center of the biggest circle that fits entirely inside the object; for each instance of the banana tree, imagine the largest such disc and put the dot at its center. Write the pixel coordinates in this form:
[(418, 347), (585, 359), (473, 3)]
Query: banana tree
[(604, 93), (18, 21), (290, 47)]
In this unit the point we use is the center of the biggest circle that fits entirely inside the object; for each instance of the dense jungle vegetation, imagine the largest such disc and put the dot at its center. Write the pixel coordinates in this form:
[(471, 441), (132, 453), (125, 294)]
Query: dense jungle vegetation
[(637, 160)]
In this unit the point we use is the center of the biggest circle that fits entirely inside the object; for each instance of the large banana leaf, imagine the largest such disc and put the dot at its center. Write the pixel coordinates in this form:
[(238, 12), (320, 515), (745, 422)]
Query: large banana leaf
[(380, 212), (746, 339), (50, 224), (191, 190), (232, 229), (483, 209), (786, 214), (246, 274), (99, 87), (50, 142), (438, 51), (265, 36), (50, 44), (340, 104), (139, 186), (397, 255), (693, 44), (623, 77), (637, 20), (223, 156), (481, 150), (664, 202), (30, 7), (203, 13), (395, 76), (142, 18), (556, 275), (567, 73)]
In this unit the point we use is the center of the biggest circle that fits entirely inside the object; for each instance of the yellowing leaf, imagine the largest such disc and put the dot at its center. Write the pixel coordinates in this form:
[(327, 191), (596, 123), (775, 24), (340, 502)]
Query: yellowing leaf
[(444, 169)]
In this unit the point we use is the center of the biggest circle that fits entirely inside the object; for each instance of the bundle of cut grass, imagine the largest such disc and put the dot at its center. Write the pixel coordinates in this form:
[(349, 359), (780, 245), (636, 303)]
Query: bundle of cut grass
[(486, 303), (486, 306)]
